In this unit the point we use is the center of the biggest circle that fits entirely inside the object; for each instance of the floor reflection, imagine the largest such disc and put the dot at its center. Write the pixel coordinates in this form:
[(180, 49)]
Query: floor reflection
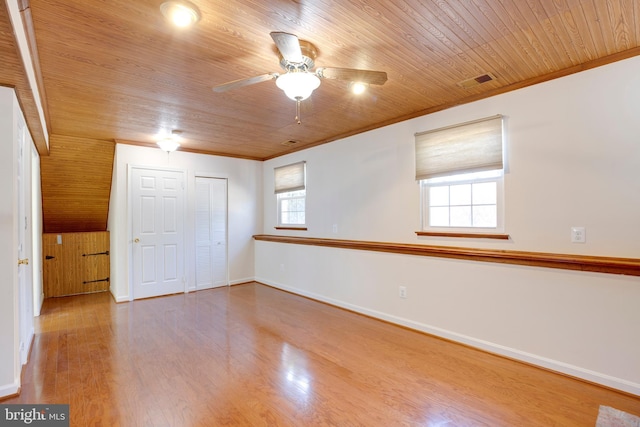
[(298, 379)]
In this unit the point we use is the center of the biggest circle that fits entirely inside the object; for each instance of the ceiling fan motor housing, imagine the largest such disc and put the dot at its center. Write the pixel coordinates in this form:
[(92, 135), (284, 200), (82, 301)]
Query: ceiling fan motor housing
[(309, 54)]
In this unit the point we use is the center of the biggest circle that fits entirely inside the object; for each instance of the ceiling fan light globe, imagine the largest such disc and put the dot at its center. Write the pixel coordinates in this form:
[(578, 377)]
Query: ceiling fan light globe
[(298, 85), (168, 145)]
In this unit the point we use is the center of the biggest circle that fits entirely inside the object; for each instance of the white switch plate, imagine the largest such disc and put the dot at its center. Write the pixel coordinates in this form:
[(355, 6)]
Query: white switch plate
[(578, 235)]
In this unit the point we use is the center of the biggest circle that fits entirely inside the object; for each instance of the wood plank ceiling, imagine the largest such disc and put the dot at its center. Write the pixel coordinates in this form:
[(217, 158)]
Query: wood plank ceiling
[(116, 71)]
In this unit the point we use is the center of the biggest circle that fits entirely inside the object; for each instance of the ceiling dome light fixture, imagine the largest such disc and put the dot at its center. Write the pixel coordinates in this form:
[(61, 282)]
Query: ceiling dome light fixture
[(180, 13), (170, 143), (358, 87)]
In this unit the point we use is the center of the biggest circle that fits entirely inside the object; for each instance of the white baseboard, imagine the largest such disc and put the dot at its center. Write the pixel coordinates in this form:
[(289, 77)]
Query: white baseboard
[(554, 365), (120, 298), (38, 309), (127, 298), (241, 281), (9, 390)]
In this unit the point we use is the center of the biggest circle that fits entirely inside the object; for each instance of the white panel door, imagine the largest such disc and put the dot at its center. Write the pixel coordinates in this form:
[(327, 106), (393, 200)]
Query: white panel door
[(25, 287), (211, 232), (157, 232)]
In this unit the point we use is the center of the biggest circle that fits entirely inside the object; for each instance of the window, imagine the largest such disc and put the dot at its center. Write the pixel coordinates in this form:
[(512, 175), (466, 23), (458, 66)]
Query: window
[(290, 189), (460, 170), (466, 200), (291, 208)]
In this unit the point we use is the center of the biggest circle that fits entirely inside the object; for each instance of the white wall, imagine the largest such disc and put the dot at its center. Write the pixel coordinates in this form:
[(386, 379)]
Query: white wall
[(16, 315), (9, 381), (573, 159), (36, 217), (244, 198)]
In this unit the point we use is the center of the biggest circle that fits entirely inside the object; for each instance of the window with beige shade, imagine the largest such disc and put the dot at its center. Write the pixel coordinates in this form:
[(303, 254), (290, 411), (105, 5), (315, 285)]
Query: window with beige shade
[(460, 171)]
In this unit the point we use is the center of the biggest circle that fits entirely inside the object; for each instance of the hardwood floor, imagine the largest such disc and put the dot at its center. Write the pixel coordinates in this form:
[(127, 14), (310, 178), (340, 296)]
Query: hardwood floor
[(253, 355)]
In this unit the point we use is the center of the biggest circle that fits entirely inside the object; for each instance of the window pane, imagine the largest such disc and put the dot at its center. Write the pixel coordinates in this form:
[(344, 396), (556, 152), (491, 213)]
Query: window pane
[(299, 193), (439, 217), (439, 196), (291, 208), (485, 216), (460, 216), (293, 205), (460, 194), (464, 205), (484, 193)]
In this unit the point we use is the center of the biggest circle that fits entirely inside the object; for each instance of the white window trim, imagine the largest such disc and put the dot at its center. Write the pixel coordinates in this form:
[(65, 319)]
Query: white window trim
[(279, 198), (425, 184)]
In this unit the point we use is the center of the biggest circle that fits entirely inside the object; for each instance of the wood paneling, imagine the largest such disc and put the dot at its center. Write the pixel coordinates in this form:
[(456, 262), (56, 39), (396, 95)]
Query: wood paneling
[(76, 184), (599, 264), (115, 71), (250, 355), (75, 263)]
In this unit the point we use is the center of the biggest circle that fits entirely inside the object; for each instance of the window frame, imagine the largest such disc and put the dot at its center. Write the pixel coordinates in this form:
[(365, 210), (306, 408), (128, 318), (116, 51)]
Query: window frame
[(290, 183), (280, 197), (427, 184)]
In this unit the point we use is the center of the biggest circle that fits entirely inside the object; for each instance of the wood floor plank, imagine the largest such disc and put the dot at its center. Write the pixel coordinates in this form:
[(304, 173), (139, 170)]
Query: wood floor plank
[(254, 355)]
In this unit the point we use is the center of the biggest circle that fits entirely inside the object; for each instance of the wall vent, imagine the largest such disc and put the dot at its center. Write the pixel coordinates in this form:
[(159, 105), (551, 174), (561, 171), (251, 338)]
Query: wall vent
[(290, 142), (477, 80)]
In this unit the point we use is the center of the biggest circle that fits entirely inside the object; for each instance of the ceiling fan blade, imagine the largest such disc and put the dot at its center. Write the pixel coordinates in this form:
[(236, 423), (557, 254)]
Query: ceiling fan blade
[(353, 75), (244, 82), (288, 45)]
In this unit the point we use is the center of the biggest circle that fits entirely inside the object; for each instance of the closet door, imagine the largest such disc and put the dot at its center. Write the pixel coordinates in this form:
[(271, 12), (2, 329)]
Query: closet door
[(157, 225), (211, 232)]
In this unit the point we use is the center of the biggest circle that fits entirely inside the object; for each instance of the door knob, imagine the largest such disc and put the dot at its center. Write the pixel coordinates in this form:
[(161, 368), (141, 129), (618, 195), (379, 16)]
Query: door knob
[(24, 261), (136, 240)]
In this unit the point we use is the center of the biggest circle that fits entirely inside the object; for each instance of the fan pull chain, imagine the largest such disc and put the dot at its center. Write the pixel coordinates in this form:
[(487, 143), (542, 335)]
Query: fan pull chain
[(298, 111)]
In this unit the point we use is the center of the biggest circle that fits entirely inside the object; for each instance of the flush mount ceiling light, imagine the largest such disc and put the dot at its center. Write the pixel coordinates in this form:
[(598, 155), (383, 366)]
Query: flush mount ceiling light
[(180, 13), (358, 87), (170, 143)]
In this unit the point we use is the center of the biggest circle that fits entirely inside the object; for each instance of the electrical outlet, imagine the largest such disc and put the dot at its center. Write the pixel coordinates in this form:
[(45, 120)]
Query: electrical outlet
[(335, 228), (578, 235), (281, 267), (402, 291)]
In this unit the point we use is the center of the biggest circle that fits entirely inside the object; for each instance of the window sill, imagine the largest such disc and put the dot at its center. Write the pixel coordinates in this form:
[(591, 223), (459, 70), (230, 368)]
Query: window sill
[(463, 235), (291, 228)]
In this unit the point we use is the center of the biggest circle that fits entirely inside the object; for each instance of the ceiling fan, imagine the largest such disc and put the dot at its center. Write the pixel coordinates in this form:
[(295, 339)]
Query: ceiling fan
[(297, 58)]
